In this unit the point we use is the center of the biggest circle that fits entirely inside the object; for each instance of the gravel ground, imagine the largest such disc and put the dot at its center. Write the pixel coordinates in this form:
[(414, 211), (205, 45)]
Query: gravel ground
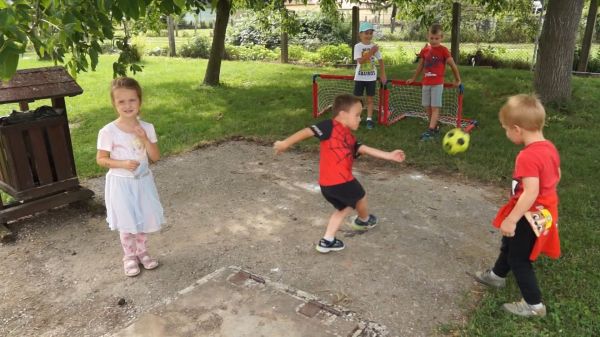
[(235, 203)]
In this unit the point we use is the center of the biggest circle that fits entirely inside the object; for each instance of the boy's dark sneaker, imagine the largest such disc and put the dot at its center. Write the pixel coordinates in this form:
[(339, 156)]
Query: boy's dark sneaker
[(325, 246), (370, 124), (430, 134), (521, 308), (359, 225)]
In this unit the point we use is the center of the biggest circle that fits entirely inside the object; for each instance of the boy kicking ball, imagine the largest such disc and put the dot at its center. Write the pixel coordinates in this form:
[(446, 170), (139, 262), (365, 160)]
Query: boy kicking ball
[(338, 150)]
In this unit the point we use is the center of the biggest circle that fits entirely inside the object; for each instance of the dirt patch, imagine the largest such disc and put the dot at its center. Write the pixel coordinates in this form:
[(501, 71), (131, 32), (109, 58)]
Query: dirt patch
[(237, 204)]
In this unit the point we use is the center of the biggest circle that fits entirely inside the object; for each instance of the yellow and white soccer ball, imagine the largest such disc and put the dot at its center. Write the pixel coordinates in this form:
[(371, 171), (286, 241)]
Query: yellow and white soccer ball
[(456, 141)]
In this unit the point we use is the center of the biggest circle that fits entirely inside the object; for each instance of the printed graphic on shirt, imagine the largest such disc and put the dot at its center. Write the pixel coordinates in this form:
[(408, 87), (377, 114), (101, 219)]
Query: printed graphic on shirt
[(323, 129), (139, 150), (367, 68), (342, 146), (432, 61)]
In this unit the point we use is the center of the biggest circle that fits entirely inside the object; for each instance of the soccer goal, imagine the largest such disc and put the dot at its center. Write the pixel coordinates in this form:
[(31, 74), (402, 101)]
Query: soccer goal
[(326, 87), (395, 100), (401, 100)]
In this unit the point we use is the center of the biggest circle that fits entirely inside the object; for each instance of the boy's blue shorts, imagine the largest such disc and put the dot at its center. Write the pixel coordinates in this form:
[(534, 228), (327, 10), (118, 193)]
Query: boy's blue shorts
[(360, 86)]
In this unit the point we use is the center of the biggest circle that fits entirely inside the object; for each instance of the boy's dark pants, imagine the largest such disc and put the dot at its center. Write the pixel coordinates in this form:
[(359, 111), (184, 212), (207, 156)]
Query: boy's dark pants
[(514, 255)]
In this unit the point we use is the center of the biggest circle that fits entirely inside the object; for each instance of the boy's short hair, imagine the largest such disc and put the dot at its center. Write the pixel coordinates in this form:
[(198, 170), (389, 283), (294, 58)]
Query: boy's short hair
[(525, 111), (344, 102), (126, 83), (436, 28)]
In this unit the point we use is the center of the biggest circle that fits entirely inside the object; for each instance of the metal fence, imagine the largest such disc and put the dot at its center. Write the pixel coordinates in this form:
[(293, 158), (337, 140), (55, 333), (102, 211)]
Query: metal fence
[(498, 41)]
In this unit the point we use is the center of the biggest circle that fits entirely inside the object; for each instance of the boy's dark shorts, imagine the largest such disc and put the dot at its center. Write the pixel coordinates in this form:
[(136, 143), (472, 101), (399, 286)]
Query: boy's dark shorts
[(360, 86), (344, 195)]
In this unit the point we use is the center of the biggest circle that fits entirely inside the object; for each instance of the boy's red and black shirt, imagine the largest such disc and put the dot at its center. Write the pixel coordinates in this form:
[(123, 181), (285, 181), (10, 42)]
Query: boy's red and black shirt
[(338, 150)]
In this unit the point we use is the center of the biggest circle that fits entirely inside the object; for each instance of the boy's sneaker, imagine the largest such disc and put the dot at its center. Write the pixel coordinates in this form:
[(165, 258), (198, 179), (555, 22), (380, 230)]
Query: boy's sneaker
[(359, 225), (490, 279), (325, 246), (370, 124), (430, 134), (521, 308)]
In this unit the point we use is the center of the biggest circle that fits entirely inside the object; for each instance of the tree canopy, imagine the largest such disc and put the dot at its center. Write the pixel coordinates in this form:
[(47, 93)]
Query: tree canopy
[(71, 32)]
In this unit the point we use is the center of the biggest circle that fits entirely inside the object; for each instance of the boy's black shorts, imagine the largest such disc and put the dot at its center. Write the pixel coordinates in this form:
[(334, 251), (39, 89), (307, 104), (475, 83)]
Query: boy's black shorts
[(360, 86), (343, 195)]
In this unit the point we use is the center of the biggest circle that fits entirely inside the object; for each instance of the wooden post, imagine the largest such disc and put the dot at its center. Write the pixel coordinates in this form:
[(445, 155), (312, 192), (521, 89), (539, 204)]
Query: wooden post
[(393, 18), (588, 36), (284, 48), (171, 33), (284, 35), (455, 31), (355, 26)]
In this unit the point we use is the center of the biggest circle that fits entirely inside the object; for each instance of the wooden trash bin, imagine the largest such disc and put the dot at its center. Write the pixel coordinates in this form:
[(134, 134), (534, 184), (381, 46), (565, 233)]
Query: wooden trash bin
[(37, 167)]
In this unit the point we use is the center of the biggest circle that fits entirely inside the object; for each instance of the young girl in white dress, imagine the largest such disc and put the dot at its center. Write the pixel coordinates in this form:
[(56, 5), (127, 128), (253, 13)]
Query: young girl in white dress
[(125, 147)]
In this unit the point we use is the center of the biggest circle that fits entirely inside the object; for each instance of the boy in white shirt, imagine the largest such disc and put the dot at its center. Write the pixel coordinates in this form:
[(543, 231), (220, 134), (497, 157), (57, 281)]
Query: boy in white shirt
[(366, 53)]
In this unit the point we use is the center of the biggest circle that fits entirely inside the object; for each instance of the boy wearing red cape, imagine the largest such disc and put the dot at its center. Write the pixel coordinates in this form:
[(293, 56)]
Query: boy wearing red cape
[(528, 222)]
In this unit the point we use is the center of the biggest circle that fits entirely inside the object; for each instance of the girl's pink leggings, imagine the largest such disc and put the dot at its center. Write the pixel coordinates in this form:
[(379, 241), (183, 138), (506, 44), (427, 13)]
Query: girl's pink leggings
[(133, 244)]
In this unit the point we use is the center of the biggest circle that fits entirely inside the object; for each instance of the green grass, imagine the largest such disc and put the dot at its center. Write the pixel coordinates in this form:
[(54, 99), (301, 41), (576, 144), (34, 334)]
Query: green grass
[(270, 101)]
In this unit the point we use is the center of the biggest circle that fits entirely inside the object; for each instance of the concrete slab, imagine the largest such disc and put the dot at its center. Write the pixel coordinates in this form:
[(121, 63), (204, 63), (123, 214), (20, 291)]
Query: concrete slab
[(232, 302)]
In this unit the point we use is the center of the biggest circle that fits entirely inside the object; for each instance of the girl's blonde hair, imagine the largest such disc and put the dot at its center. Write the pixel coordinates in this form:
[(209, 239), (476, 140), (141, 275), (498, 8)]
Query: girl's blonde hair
[(127, 83), (525, 111)]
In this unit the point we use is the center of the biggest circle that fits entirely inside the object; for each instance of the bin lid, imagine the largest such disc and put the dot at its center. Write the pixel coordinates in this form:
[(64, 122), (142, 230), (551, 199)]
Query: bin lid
[(38, 83)]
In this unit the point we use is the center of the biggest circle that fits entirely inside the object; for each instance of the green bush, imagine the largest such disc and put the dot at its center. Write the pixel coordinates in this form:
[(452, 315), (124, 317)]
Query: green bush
[(250, 53), (139, 44), (248, 30), (314, 31), (317, 29), (198, 47), (137, 51), (334, 54), (296, 53)]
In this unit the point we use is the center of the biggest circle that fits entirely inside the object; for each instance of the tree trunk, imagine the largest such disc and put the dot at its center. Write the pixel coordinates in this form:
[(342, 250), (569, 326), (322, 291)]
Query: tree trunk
[(455, 43), (552, 74), (171, 29), (217, 49), (393, 18), (588, 36)]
